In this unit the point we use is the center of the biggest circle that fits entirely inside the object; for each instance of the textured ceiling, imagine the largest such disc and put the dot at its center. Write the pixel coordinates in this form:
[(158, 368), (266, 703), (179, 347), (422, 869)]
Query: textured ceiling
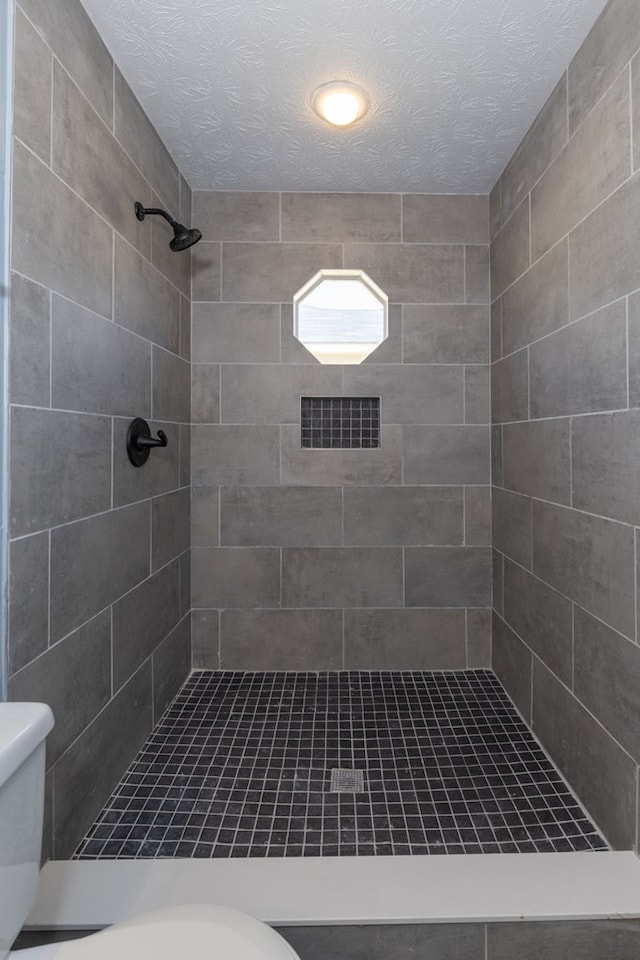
[(454, 85)]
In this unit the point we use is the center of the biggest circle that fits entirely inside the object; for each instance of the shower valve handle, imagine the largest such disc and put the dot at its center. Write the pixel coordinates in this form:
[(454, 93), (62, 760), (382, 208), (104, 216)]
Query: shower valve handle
[(140, 442), (143, 442)]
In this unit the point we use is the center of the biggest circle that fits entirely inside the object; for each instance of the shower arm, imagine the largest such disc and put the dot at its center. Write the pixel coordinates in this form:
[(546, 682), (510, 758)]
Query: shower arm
[(142, 212)]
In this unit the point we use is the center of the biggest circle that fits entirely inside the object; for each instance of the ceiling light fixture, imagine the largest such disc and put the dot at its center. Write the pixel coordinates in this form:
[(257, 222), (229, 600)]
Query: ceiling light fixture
[(340, 102)]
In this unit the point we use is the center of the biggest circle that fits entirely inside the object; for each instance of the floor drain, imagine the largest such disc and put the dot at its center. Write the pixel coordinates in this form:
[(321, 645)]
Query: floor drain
[(346, 781)]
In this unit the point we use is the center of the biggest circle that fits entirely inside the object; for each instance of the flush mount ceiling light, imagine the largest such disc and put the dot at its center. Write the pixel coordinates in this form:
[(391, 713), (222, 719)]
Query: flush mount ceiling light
[(340, 103)]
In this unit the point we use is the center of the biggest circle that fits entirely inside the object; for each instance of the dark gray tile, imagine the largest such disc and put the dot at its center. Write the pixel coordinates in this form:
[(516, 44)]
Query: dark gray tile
[(479, 638), (95, 561), (607, 679), (73, 678), (85, 775), (404, 639), (510, 388), (581, 368), (477, 393), (61, 242), (411, 273), (388, 516), (235, 577), (496, 455), (298, 640), (605, 452), (542, 143), (635, 106), (512, 526), (341, 217), (510, 250), (445, 218), (437, 941), (280, 516), (237, 216), (498, 582), (185, 328), (205, 393), (477, 275), (496, 330), (445, 334), (270, 393), (512, 661), (205, 642), (610, 44), (87, 156), (595, 161), (28, 633), (495, 209), (160, 474), (145, 302), (601, 773), (410, 393), (536, 459), (184, 445), (601, 253), (537, 303), (448, 576), (236, 332), (176, 267), (32, 88), (30, 339), (589, 560), (477, 516), (272, 272), (96, 366), (374, 467), (569, 939), (54, 482), (541, 617), (341, 577), (171, 666), (139, 138), (185, 582), (169, 527), (447, 454), (634, 350), (205, 513), (142, 619), (66, 27), (171, 392), (244, 455)]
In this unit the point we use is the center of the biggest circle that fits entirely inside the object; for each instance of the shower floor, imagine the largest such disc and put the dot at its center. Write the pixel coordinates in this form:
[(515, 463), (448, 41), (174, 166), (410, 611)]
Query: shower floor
[(243, 765)]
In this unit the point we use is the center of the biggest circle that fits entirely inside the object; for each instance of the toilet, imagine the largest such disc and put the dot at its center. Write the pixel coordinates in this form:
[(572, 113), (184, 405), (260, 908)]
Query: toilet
[(191, 930)]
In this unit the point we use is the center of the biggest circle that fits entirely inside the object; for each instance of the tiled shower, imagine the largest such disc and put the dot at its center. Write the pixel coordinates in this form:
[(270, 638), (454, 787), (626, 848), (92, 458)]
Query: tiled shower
[(265, 564)]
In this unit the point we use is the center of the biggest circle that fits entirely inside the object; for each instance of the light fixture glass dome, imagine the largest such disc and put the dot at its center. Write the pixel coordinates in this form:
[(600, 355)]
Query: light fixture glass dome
[(340, 102)]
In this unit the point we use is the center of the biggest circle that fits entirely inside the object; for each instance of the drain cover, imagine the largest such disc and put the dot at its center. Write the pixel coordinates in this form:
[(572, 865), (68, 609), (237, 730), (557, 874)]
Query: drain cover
[(346, 781)]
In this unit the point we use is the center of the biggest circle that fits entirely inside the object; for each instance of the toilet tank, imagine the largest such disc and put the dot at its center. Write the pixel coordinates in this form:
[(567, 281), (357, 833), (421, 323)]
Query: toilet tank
[(23, 728)]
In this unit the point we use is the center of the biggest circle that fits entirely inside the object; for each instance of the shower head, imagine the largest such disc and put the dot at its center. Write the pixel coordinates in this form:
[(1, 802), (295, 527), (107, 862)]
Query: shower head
[(183, 237)]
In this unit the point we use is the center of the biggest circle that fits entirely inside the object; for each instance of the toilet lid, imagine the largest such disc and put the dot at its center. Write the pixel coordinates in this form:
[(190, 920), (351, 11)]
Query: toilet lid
[(189, 932)]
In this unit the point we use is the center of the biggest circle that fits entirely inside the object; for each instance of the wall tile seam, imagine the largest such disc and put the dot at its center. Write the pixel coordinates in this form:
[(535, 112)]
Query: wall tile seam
[(345, 243), (297, 609), (368, 367), (95, 413), (533, 264), (67, 636), (627, 66), (561, 416), (549, 586), (91, 516), (565, 506), (286, 303)]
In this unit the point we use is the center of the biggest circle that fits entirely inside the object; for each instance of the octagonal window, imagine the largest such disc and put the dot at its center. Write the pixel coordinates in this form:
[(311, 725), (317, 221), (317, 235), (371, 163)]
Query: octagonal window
[(341, 316)]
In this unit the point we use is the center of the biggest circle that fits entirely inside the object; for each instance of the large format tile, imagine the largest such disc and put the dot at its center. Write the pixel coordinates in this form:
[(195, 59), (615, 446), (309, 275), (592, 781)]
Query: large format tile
[(594, 162), (447, 576), (280, 516), (412, 273), (404, 639), (387, 516), (205, 516), (512, 525), (581, 368), (236, 332), (74, 678), (477, 393), (281, 640), (96, 365), (446, 454), (588, 559), (541, 617), (477, 516), (537, 303), (510, 251), (205, 393), (171, 390), (95, 561), (142, 619), (410, 393), (512, 661), (477, 274), (206, 267), (341, 217), (169, 526), (601, 773), (607, 679), (171, 663), (61, 242), (479, 638), (445, 334), (510, 388), (32, 88), (237, 216), (60, 468), (536, 459), (342, 577), (28, 632), (272, 272), (145, 301), (205, 639), (29, 351), (634, 350), (605, 452), (270, 393), (375, 466), (445, 218), (231, 455), (235, 577), (85, 775)]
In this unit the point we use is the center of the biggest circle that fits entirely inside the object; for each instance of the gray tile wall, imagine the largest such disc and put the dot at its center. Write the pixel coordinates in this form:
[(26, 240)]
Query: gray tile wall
[(324, 559), (100, 317), (566, 435)]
